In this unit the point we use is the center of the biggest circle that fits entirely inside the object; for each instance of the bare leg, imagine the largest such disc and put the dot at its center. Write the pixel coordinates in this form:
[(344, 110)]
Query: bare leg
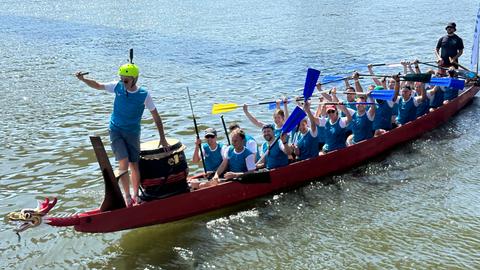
[(123, 166), (135, 178)]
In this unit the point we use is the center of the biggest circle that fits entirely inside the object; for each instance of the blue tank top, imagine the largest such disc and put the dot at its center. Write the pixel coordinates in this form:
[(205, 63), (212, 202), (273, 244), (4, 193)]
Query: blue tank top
[(406, 111), (335, 136), (450, 93), (361, 127), (307, 145), (383, 116), (276, 157), (237, 162), (213, 159), (127, 109), (423, 108), (320, 134), (437, 100)]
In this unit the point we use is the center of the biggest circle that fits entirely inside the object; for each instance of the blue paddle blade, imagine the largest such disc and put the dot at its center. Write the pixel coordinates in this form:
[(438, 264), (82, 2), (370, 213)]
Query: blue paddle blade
[(440, 81), (457, 84), (310, 82), (295, 117), (330, 78), (273, 105), (382, 94)]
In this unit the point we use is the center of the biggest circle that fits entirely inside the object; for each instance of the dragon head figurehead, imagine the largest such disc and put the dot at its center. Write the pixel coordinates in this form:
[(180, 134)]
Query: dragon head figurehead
[(32, 217)]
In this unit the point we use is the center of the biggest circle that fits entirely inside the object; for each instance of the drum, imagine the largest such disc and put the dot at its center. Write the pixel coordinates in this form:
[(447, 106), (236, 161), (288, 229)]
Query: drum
[(162, 173)]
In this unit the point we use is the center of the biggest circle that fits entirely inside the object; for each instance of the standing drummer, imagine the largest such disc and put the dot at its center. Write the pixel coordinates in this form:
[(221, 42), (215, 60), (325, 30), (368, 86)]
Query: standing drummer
[(128, 106), (451, 47)]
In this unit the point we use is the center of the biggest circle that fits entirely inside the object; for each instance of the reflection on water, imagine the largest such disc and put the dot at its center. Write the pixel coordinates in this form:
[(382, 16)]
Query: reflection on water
[(416, 206)]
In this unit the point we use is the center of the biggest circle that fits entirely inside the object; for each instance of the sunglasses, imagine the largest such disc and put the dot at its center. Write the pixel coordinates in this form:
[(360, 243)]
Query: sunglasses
[(330, 111), (209, 137)]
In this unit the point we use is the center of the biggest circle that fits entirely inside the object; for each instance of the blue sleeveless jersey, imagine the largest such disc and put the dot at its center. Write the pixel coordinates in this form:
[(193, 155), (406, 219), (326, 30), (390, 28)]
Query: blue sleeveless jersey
[(335, 136), (383, 116), (320, 134), (437, 100), (361, 127), (307, 145), (450, 93), (276, 157), (213, 159), (127, 109), (423, 108), (236, 162), (406, 111)]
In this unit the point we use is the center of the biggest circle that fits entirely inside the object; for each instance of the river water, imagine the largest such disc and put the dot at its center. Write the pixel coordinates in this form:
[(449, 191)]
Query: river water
[(416, 207)]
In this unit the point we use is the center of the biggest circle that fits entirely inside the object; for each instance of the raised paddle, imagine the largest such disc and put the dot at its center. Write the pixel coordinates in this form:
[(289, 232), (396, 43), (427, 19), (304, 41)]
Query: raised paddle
[(464, 73), (375, 94), (310, 82), (448, 82), (196, 130), (292, 121), (411, 77)]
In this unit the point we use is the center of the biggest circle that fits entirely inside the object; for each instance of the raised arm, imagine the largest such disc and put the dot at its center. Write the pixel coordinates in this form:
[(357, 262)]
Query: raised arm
[(91, 83), (285, 106), (250, 117), (313, 122), (374, 78), (396, 88), (358, 86), (417, 67)]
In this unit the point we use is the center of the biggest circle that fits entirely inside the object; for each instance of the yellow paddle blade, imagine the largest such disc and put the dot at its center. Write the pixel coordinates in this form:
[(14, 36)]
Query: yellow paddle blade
[(225, 107)]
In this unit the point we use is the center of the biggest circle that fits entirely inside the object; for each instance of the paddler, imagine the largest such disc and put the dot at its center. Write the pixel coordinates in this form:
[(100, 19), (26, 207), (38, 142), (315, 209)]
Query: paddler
[(237, 160), (306, 145), (407, 103), (279, 116), (274, 155), (362, 121), (249, 142), (213, 151), (128, 106)]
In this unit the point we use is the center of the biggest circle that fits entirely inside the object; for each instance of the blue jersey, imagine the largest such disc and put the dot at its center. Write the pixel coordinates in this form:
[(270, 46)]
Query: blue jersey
[(383, 116), (361, 127), (320, 134), (237, 162), (307, 145), (335, 136), (276, 157), (127, 109), (213, 159), (423, 107), (450, 93), (406, 111), (437, 100)]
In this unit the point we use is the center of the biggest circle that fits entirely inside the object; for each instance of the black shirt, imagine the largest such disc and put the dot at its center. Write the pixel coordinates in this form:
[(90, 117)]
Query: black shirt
[(450, 46)]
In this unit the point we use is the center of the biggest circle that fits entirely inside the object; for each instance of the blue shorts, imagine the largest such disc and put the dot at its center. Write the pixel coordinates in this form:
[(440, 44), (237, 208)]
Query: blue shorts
[(125, 145)]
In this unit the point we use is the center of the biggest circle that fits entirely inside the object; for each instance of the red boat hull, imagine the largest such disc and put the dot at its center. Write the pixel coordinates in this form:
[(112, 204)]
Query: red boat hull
[(204, 200)]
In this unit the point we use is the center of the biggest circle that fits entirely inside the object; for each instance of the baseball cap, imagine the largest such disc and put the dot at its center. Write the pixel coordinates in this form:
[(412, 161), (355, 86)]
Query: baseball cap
[(451, 24), (210, 131)]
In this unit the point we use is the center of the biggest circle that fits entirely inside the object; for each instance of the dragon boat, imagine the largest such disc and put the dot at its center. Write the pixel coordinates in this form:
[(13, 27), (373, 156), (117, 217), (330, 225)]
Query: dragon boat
[(113, 215)]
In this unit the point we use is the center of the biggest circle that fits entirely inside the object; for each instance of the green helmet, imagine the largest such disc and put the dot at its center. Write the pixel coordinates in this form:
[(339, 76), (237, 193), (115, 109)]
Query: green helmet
[(129, 70)]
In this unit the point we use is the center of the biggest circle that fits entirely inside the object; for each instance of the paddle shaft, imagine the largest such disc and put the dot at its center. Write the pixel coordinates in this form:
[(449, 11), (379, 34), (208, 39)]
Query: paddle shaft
[(196, 131), (130, 59), (225, 129)]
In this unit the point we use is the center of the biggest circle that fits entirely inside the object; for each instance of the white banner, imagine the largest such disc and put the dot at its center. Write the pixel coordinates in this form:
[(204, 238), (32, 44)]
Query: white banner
[(474, 59)]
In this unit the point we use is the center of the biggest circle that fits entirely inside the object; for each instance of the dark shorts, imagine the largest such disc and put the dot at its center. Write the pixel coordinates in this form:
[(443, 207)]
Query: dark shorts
[(125, 145)]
